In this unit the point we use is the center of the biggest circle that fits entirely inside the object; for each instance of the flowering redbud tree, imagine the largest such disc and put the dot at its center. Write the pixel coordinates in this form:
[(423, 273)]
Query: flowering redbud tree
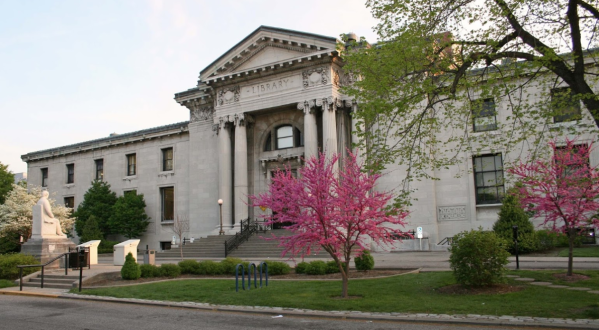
[(336, 212), (563, 190)]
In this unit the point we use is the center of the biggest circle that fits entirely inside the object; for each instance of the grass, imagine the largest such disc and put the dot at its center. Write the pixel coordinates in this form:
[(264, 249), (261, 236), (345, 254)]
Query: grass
[(6, 284), (547, 276), (591, 251), (413, 293)]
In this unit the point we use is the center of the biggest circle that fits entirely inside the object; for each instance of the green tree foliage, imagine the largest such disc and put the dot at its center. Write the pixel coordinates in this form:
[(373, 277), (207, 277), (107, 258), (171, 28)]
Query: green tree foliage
[(436, 60), (512, 214), (364, 261), (91, 230), (10, 242), (130, 270), (97, 201), (129, 216), (478, 258), (7, 178)]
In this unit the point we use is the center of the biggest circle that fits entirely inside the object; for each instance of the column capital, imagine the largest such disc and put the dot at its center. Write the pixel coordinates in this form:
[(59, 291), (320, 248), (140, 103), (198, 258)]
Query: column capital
[(330, 103), (306, 106), (243, 119)]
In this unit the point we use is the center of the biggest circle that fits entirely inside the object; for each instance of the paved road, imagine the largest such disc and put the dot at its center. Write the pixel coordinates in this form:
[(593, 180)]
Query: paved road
[(33, 313)]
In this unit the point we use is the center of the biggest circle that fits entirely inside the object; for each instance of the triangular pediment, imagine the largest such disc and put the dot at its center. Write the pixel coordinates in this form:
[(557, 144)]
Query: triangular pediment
[(267, 45)]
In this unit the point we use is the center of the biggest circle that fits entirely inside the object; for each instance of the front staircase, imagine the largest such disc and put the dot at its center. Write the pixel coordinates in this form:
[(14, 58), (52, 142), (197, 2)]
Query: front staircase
[(214, 247), (54, 281)]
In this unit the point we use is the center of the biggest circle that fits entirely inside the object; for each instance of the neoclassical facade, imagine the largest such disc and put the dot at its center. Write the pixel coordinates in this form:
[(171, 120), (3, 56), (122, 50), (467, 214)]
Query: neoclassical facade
[(271, 100)]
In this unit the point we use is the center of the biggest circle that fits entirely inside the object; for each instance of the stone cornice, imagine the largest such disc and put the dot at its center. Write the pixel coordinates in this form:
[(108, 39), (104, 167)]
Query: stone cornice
[(273, 68), (109, 142)]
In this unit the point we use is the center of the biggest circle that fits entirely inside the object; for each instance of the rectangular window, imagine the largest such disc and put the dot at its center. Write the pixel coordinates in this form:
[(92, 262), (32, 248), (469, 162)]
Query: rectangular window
[(488, 177), (70, 173), (44, 177), (134, 192), (564, 105), (100, 169), (131, 164), (167, 159), (167, 201), (483, 115), (69, 202)]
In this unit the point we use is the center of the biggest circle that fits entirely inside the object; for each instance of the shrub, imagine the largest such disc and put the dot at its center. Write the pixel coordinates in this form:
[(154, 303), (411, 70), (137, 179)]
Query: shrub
[(209, 267), (170, 270), (546, 239), (301, 267), (364, 261), (149, 271), (130, 270), (316, 267), (332, 267), (6, 284), (107, 246), (228, 265), (189, 267), (277, 268), (512, 214), (563, 241), (9, 263), (478, 258)]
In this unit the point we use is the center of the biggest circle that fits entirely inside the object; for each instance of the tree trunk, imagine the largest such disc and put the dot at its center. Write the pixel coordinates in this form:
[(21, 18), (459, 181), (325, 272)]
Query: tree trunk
[(571, 237), (345, 282)]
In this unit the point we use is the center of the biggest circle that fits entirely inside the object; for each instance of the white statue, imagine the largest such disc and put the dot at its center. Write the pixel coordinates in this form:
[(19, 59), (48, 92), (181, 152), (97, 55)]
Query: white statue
[(44, 222)]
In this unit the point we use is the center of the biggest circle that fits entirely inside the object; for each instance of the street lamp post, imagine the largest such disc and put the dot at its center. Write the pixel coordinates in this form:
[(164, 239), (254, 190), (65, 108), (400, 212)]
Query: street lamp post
[(220, 204)]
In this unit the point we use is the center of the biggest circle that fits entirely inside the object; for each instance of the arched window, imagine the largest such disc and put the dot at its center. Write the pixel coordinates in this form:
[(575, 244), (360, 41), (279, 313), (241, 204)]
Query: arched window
[(285, 137)]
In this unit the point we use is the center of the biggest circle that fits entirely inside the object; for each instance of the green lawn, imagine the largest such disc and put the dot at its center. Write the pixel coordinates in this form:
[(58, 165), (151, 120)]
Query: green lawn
[(6, 284), (547, 276), (592, 251), (414, 293)]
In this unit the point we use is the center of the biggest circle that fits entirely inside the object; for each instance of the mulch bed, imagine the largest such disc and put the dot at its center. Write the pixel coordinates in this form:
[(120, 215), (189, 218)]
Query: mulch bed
[(573, 278), (115, 279), (456, 289)]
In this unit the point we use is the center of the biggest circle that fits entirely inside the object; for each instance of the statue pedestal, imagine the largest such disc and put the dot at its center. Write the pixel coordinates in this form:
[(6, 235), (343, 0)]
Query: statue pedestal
[(44, 249)]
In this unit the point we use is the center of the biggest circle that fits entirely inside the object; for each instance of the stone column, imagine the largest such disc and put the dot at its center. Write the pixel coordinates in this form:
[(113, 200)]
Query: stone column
[(329, 125), (224, 170), (310, 130), (241, 169)]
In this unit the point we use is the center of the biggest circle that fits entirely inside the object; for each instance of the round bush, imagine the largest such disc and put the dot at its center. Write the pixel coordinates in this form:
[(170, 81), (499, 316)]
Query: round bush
[(277, 268), (229, 263), (478, 258), (9, 263), (149, 271), (170, 270), (546, 239), (209, 267), (316, 267), (332, 267), (301, 267), (189, 267), (130, 270), (364, 261)]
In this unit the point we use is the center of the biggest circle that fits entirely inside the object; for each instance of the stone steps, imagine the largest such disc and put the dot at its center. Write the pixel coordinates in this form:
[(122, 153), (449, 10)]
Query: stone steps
[(53, 281)]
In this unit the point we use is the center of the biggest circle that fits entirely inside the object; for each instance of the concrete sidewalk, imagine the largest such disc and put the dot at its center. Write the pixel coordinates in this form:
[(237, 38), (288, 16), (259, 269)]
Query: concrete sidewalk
[(426, 261)]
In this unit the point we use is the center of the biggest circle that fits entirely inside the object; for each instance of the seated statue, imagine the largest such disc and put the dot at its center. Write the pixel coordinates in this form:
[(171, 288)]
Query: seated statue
[(47, 218)]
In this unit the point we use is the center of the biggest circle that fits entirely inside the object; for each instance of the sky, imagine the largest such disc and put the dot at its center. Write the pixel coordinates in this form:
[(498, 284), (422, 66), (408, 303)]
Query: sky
[(73, 71)]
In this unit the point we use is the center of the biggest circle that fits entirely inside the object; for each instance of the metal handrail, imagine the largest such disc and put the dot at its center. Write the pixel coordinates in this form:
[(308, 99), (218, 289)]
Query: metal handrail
[(66, 268), (446, 240), (248, 228)]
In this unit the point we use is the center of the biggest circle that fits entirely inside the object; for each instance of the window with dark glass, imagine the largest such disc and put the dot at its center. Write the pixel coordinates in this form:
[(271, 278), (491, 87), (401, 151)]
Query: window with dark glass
[(133, 192), (167, 201), (564, 105), (44, 177), (69, 202), (167, 159), (483, 115), (100, 169), (131, 164), (488, 177), (70, 173)]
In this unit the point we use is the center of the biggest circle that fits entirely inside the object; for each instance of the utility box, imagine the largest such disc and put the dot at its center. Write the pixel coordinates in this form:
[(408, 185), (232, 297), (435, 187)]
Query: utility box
[(93, 250), (122, 249), (150, 257)]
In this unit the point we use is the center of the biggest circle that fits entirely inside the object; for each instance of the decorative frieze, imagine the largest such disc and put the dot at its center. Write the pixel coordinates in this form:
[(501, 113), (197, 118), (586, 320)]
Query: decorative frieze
[(315, 77), (228, 95), (452, 213), (199, 111)]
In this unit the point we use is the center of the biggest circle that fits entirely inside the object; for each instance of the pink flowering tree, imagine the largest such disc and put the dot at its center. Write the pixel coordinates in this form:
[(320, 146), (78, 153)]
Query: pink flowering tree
[(563, 190), (336, 212)]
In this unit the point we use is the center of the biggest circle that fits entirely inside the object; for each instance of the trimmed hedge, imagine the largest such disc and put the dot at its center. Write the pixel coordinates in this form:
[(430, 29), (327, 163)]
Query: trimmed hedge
[(170, 270), (130, 270), (277, 268), (150, 271), (209, 267), (189, 267), (364, 261), (301, 267), (316, 267), (9, 263)]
